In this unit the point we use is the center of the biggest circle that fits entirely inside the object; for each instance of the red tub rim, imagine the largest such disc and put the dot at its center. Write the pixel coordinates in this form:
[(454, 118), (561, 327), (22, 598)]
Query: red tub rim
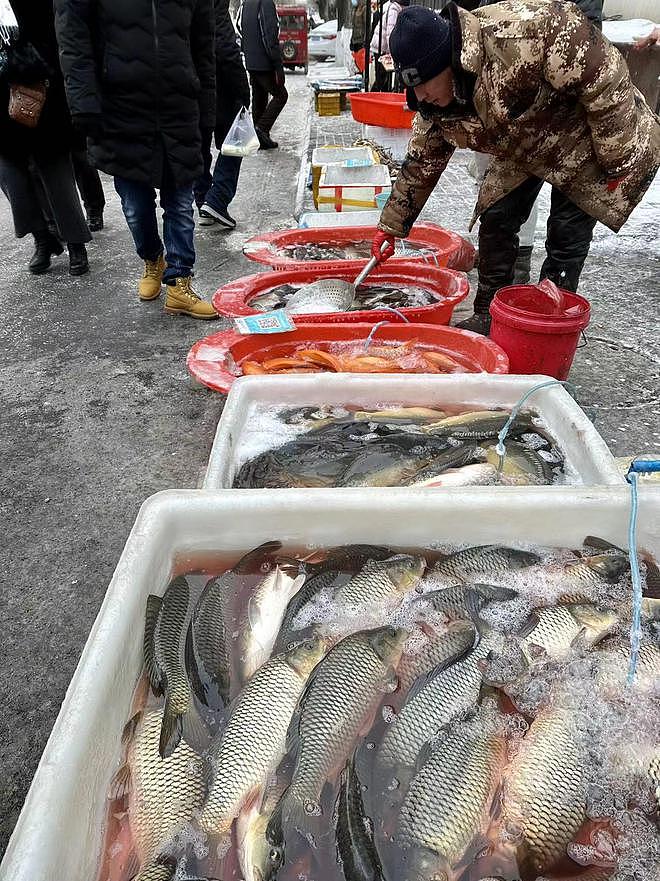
[(233, 299), (215, 374), (385, 109), (532, 322), (450, 248)]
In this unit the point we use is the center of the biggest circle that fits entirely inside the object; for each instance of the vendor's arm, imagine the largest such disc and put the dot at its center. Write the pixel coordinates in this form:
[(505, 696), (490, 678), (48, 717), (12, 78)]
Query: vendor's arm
[(579, 60), (73, 25), (427, 157)]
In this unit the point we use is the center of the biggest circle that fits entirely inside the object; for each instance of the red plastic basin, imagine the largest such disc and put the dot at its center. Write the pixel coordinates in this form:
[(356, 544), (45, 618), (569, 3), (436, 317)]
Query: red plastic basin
[(538, 333), (448, 248), (387, 109), (216, 360), (448, 287)]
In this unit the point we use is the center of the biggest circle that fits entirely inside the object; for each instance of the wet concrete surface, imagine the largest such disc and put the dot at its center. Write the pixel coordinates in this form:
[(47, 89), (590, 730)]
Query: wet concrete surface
[(99, 412)]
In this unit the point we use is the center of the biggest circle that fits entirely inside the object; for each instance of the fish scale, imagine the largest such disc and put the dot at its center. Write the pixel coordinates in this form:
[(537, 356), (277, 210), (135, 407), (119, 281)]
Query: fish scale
[(453, 601), (340, 700), (264, 709), (381, 580), (544, 794), (438, 648), (484, 560), (441, 699), (555, 632), (164, 794), (448, 800)]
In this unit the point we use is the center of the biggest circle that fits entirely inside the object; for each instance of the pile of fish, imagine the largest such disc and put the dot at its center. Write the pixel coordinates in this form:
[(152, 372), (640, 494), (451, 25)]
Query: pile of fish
[(409, 357), (359, 250), (370, 714), (368, 296), (408, 446)]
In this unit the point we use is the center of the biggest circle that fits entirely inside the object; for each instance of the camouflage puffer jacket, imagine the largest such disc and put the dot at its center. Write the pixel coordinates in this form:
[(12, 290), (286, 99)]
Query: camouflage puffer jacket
[(547, 95)]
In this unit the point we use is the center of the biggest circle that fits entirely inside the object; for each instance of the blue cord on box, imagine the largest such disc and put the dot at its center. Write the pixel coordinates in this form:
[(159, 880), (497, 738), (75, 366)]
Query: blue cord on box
[(637, 467)]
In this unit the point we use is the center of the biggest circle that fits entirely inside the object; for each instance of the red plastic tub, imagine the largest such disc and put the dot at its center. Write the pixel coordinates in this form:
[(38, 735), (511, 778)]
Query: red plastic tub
[(216, 360), (387, 109), (448, 248), (448, 286), (539, 327)]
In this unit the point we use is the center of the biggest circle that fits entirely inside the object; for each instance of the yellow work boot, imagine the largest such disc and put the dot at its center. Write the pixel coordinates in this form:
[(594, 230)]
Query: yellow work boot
[(182, 300), (150, 283)]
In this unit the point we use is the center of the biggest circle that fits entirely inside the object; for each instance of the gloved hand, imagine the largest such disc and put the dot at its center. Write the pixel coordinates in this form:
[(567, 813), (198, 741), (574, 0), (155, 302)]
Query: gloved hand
[(382, 246), (614, 183), (280, 79), (88, 124)]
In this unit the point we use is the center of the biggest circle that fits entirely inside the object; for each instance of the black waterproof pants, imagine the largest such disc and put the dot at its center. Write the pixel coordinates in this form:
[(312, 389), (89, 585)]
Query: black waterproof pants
[(569, 234)]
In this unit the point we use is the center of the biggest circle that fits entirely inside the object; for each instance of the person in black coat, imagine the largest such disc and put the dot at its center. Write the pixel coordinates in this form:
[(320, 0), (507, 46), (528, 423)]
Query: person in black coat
[(140, 79), (36, 173), (260, 41), (213, 195)]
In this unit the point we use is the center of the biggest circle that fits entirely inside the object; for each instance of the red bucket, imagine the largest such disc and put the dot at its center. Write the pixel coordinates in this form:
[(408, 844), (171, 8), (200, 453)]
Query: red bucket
[(539, 327)]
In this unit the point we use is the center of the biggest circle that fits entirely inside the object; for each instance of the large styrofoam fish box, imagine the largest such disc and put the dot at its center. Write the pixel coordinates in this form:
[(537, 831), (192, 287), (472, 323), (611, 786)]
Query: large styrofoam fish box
[(59, 831), (395, 140), (335, 154), (325, 220), (588, 458), (353, 188)]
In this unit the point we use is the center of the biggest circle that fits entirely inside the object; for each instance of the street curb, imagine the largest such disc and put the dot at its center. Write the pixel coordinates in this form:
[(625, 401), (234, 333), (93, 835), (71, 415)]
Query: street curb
[(303, 173)]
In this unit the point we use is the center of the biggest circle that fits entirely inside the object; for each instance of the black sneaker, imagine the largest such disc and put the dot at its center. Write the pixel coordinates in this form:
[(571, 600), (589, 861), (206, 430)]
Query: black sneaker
[(221, 217), (265, 141), (477, 323)]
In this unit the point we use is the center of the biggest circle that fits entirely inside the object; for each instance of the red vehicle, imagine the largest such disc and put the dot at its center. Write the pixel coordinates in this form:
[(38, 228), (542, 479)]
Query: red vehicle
[(293, 36)]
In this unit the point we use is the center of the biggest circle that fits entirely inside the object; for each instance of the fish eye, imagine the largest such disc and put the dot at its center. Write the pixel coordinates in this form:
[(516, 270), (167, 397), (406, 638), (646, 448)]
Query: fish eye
[(266, 566)]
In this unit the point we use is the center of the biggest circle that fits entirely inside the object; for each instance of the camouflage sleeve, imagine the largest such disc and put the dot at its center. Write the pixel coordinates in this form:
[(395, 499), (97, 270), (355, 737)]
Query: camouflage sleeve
[(427, 157), (578, 59)]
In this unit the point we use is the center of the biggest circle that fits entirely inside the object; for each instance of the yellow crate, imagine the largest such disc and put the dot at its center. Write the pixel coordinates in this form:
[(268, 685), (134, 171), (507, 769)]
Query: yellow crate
[(328, 104)]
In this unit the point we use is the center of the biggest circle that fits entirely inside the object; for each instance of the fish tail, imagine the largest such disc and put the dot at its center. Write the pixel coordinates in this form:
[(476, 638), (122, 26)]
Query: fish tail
[(170, 731)]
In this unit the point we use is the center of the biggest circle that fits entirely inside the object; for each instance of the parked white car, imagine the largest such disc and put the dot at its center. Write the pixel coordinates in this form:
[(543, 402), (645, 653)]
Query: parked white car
[(323, 41)]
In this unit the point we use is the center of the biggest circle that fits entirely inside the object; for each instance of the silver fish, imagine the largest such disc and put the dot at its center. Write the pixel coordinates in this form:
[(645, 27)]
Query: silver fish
[(436, 648), (242, 761)]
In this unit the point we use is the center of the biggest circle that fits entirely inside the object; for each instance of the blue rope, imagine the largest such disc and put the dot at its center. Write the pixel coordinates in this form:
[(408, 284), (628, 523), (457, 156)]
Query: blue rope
[(373, 330), (637, 467)]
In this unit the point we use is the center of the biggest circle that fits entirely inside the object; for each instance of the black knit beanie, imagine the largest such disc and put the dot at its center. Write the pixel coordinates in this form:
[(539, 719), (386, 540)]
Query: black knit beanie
[(420, 45)]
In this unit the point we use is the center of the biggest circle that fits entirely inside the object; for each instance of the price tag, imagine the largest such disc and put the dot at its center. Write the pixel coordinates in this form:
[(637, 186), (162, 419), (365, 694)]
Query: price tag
[(277, 321)]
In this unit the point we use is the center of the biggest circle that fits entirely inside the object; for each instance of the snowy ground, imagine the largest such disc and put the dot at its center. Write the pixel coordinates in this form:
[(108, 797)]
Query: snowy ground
[(100, 412)]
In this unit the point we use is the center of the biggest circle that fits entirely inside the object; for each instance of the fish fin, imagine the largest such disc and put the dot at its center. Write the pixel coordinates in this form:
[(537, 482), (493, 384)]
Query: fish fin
[(254, 615), (170, 732), (132, 868), (601, 544), (422, 681), (390, 682), (129, 728), (529, 624), (154, 673), (297, 584), (251, 561), (477, 849), (652, 580), (497, 802), (195, 731), (474, 604), (192, 668), (121, 783)]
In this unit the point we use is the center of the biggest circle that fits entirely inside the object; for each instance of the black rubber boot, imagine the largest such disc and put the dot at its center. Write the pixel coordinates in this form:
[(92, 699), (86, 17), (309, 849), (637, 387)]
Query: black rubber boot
[(522, 271), (95, 220), (46, 245), (78, 263), (477, 323)]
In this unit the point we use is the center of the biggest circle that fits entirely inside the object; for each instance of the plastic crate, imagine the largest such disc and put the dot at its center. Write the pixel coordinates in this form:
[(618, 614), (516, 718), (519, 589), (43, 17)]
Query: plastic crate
[(59, 832), (353, 188), (328, 103), (586, 453)]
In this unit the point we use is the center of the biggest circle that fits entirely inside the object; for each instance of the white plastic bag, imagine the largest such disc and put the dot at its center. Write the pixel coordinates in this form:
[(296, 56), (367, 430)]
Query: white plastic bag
[(241, 138)]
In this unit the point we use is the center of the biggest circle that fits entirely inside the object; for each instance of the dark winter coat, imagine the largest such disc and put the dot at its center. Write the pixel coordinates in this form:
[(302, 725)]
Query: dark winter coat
[(146, 69), (359, 25), (232, 82), (260, 32), (32, 59)]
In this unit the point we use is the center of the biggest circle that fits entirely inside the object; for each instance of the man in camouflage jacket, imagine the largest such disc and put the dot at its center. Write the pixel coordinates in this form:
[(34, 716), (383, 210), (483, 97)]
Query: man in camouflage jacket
[(533, 83)]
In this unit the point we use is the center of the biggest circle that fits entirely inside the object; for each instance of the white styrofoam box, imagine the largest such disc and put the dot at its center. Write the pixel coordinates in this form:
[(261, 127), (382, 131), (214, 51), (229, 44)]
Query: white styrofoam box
[(335, 154), (325, 220), (393, 139), (354, 188), (59, 831), (629, 30), (587, 454)]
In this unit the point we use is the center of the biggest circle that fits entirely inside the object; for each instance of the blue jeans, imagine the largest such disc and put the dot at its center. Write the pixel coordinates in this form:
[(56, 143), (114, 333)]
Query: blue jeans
[(138, 202), (218, 190)]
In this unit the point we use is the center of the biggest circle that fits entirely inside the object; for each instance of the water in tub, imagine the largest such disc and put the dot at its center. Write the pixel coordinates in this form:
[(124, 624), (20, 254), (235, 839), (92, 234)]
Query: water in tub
[(367, 712), (393, 445)]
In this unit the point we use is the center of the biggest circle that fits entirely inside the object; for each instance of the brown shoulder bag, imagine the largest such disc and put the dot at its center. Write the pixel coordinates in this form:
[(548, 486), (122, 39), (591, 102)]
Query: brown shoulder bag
[(26, 103)]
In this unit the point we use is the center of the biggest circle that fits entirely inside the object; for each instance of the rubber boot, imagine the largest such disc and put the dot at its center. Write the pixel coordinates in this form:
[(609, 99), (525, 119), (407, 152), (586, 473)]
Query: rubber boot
[(522, 271), (95, 219), (480, 321), (78, 263), (46, 245)]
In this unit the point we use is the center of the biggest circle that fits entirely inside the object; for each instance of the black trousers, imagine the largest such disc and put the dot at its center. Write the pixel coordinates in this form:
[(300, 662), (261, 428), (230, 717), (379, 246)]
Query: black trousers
[(569, 234), (89, 182), (55, 176), (265, 87)]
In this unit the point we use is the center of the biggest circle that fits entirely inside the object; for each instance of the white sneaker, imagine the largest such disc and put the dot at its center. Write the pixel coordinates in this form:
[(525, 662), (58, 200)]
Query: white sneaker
[(205, 219)]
